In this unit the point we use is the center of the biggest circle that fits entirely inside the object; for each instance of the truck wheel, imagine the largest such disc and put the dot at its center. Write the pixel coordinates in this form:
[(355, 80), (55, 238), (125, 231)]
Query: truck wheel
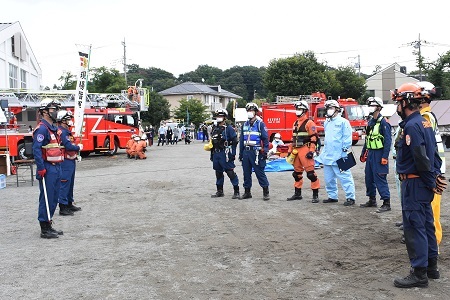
[(21, 153), (354, 142), (114, 150)]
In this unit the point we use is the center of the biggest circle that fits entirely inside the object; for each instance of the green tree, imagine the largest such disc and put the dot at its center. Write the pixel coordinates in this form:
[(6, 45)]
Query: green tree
[(438, 74), (158, 110), (300, 74), (196, 110), (153, 78), (344, 82), (250, 80), (68, 81), (104, 80), (210, 75)]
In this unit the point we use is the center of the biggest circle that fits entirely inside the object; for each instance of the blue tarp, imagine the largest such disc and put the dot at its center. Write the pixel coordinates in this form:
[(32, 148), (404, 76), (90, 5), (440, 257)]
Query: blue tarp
[(278, 165)]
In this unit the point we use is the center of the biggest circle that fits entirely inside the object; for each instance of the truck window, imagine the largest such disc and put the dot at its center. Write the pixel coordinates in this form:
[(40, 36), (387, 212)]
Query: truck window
[(321, 112), (354, 112)]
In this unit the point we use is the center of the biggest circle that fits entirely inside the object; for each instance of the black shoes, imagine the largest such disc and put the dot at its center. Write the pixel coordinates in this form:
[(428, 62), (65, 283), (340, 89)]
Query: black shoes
[(384, 208), (349, 202), (47, 232), (247, 194), (266, 193), (64, 210), (371, 203), (330, 200), (236, 194), (297, 195), (416, 278), (432, 270), (73, 207)]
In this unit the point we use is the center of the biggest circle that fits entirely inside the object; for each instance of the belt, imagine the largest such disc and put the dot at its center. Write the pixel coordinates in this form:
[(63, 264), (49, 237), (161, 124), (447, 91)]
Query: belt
[(251, 148), (407, 176)]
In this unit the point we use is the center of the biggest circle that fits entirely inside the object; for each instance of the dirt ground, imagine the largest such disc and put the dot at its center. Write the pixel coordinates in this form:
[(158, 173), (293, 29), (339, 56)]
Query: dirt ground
[(149, 230)]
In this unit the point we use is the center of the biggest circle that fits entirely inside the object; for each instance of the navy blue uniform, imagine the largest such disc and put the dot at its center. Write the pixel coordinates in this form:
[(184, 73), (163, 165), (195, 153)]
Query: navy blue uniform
[(224, 139), (376, 173), (253, 149), (416, 151), (68, 167), (43, 135)]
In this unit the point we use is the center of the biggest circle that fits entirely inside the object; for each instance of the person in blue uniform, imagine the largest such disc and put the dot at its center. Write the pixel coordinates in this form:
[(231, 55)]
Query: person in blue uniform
[(375, 153), (48, 155), (338, 139), (417, 165), (224, 140), (68, 166), (253, 149)]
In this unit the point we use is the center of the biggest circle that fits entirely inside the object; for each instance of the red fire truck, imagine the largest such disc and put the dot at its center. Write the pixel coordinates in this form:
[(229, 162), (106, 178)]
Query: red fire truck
[(109, 120), (280, 115)]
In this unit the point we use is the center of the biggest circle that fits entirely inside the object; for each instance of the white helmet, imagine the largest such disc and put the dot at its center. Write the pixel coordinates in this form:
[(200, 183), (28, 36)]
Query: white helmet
[(375, 101), (277, 136), (48, 103), (302, 104), (64, 115), (429, 90), (144, 137), (137, 138), (251, 106), (221, 112), (332, 103)]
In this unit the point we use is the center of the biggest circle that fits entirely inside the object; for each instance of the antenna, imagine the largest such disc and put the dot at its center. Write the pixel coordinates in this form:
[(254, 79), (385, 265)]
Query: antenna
[(124, 61)]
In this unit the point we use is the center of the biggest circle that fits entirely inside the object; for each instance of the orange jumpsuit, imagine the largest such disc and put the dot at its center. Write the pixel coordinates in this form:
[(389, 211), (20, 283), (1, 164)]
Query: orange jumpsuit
[(129, 146), (304, 139), (140, 148)]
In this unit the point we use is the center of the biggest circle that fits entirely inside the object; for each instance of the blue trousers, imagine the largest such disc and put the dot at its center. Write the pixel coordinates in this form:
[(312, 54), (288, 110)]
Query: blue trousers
[(418, 222), (220, 165), (249, 158), (67, 181), (52, 184), (331, 173), (376, 176)]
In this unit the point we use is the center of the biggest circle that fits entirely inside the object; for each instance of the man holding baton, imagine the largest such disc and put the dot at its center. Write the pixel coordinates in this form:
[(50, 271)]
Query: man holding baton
[(48, 154)]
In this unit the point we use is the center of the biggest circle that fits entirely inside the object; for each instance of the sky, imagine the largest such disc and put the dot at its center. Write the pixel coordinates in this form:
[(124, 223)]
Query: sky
[(179, 35)]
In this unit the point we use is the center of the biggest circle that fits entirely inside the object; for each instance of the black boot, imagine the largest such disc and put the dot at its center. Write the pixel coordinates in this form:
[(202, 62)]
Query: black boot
[(73, 207), (315, 198), (236, 194), (219, 192), (58, 232), (64, 210), (432, 270), (266, 193), (247, 194), (46, 232), (297, 195), (371, 203), (416, 278), (385, 207)]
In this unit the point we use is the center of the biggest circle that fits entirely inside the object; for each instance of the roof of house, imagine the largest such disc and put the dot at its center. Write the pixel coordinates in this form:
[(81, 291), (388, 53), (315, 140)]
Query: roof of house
[(189, 88), (4, 25)]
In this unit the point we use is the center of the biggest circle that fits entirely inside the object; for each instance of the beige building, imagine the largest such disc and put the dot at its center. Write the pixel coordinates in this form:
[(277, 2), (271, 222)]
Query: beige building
[(213, 97), (380, 84)]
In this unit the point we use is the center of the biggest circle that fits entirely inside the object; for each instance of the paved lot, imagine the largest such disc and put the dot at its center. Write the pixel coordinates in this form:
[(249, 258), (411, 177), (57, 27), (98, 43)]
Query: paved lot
[(149, 230)]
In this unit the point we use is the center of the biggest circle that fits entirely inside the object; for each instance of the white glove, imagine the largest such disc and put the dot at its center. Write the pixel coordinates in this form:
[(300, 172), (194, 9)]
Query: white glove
[(81, 146)]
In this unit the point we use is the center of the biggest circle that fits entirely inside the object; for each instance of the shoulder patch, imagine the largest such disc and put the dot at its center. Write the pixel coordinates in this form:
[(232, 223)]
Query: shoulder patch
[(313, 128), (408, 139), (40, 138), (426, 124)]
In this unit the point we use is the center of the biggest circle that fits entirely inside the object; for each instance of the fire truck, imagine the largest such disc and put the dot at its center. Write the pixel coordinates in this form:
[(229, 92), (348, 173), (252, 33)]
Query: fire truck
[(109, 120), (280, 115)]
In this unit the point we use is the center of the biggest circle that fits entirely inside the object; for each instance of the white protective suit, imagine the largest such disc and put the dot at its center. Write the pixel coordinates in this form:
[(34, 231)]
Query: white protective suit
[(338, 137)]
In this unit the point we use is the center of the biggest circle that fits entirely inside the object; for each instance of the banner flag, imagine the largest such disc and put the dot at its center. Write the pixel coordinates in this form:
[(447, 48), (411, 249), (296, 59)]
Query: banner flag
[(81, 93)]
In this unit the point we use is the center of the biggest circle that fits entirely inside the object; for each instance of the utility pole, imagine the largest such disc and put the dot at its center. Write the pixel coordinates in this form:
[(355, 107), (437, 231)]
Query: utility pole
[(417, 44), (124, 60), (358, 64)]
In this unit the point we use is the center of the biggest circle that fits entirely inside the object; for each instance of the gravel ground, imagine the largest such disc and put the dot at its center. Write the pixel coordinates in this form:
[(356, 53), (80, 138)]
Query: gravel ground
[(149, 230)]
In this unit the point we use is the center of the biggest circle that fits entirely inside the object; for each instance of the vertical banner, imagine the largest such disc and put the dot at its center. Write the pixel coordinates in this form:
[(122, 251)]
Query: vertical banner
[(81, 93)]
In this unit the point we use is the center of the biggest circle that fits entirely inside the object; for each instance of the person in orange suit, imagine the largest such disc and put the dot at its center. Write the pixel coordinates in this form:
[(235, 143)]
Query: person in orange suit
[(129, 145), (304, 141), (141, 147)]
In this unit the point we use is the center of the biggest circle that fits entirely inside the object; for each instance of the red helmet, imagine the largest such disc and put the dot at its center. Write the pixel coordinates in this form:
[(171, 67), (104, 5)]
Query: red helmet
[(407, 91)]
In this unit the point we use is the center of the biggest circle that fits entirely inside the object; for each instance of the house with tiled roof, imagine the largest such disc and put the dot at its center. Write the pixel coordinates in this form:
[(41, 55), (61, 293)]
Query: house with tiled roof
[(213, 97), (19, 68)]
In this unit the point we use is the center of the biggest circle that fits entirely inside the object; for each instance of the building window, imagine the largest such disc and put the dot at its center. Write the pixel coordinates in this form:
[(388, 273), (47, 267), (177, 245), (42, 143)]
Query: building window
[(23, 79), (12, 76), (32, 115), (189, 97)]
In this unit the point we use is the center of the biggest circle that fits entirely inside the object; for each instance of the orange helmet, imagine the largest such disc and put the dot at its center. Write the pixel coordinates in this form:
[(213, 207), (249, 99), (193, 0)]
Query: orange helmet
[(407, 91)]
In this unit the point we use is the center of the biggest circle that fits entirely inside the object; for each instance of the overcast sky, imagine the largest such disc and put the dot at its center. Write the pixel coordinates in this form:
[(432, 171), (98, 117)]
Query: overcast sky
[(179, 35)]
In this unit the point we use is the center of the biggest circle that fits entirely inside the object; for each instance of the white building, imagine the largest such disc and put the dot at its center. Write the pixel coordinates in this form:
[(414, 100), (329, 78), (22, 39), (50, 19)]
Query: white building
[(19, 68)]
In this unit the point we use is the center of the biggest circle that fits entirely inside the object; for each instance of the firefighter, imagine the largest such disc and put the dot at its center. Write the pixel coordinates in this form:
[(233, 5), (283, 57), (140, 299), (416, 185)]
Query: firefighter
[(277, 141), (418, 166), (134, 147), (68, 166), (253, 149), (375, 153), (338, 139), (130, 93), (429, 92), (129, 145), (304, 141), (224, 140), (48, 155), (141, 147)]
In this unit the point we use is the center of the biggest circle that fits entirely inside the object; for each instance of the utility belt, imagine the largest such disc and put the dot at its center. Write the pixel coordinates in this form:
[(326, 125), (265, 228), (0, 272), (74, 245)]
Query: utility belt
[(407, 176), (252, 148)]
